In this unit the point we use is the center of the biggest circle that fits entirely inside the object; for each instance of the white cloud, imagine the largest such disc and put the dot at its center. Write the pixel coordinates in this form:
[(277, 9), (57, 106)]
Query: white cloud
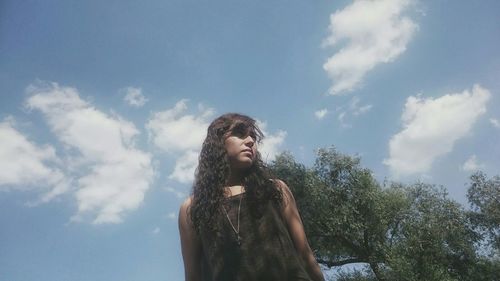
[(185, 166), (134, 96), (112, 174), (181, 134), (173, 130), (431, 127), (495, 123), (271, 143), (471, 164), (25, 165), (377, 32), (320, 114)]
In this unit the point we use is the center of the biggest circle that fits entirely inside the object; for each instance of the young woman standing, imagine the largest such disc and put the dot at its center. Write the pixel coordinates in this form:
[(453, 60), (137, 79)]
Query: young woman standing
[(239, 223)]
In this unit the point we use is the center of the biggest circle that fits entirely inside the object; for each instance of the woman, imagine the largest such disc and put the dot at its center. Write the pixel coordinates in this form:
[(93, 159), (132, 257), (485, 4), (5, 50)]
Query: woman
[(239, 224)]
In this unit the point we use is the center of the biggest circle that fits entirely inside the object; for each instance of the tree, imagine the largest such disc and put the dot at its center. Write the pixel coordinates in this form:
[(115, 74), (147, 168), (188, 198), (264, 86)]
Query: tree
[(401, 232), (484, 197), (433, 240), (346, 214)]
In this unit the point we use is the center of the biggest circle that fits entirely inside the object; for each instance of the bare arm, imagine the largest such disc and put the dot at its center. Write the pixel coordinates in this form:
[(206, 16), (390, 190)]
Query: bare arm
[(296, 230), (190, 244)]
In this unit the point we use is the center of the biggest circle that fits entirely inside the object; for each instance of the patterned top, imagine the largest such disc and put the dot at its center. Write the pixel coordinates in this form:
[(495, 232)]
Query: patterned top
[(266, 251)]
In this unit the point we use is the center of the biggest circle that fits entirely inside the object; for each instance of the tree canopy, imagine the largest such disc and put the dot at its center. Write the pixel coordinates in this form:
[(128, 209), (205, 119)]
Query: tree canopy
[(400, 232)]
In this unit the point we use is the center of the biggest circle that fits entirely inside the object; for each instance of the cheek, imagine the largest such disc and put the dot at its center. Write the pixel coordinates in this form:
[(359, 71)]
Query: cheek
[(231, 146)]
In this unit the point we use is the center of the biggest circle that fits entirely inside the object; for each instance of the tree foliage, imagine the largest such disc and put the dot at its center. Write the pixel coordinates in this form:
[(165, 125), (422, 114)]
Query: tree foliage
[(484, 197), (401, 232)]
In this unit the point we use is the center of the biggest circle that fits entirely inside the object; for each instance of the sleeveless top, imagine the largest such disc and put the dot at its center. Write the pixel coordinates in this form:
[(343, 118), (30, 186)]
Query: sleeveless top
[(265, 252)]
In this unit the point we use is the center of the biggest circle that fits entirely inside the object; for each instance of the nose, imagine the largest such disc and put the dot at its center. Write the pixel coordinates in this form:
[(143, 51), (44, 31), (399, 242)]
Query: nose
[(249, 141)]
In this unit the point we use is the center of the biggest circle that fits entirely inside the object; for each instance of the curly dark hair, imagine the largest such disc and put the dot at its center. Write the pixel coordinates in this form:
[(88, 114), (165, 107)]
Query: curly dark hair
[(213, 171)]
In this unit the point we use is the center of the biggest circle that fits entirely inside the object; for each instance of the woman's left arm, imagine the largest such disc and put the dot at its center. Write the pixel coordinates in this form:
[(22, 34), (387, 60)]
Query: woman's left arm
[(296, 230)]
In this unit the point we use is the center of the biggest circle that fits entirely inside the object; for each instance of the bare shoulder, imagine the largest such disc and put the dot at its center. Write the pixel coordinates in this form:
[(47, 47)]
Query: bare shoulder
[(287, 193), (281, 185), (184, 209), (187, 203)]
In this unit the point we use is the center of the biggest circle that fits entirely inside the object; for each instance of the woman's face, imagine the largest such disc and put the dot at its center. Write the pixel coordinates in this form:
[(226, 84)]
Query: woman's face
[(241, 148)]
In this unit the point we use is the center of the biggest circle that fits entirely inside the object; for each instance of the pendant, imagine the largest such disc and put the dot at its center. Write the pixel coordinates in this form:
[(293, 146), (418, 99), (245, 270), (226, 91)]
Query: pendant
[(238, 240)]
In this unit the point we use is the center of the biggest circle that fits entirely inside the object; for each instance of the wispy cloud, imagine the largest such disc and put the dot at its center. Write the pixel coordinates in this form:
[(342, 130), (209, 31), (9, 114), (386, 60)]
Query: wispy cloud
[(320, 114), (171, 216), (112, 175), (26, 165), (156, 231), (353, 108), (495, 123), (177, 193), (376, 32), (133, 96), (358, 109), (472, 164), (342, 116), (431, 127)]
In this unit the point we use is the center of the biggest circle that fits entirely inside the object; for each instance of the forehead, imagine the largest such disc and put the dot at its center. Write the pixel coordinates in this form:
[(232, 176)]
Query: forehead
[(242, 126), (246, 128)]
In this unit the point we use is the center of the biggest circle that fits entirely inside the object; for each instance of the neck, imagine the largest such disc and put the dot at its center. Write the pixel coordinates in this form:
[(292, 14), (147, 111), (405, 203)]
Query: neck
[(235, 178)]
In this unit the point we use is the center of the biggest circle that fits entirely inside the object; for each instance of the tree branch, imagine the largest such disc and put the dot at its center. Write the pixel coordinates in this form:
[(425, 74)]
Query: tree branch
[(331, 264)]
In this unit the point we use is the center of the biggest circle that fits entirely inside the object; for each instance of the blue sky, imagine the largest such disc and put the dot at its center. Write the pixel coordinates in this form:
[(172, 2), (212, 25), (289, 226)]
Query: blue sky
[(103, 106)]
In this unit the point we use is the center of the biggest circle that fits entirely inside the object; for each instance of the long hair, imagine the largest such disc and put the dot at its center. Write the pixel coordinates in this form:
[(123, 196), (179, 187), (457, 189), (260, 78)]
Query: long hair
[(213, 171)]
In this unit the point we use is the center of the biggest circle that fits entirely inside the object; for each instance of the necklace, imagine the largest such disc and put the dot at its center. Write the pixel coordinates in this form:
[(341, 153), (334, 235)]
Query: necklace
[(237, 228)]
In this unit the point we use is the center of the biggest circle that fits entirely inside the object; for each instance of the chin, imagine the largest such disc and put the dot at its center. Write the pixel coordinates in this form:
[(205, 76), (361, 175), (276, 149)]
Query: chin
[(246, 164)]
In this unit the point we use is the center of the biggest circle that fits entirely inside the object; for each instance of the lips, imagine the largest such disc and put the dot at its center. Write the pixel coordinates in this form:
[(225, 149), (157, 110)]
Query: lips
[(249, 151)]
